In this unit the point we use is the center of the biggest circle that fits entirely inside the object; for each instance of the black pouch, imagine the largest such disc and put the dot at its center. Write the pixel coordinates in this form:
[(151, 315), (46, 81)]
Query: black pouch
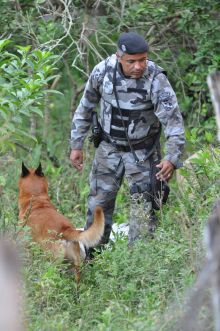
[(159, 188)]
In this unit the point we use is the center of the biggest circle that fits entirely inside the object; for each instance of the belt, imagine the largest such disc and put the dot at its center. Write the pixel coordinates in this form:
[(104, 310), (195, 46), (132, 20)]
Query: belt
[(121, 148)]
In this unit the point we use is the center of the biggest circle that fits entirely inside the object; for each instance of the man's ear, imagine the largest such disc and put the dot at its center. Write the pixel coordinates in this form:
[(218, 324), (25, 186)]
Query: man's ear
[(39, 171), (24, 170)]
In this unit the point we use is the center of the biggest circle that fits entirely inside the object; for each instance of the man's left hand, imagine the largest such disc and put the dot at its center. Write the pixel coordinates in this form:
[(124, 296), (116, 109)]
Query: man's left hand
[(166, 170)]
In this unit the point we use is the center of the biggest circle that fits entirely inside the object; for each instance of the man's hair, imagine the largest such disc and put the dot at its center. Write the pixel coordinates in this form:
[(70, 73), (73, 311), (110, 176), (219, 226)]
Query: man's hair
[(120, 52)]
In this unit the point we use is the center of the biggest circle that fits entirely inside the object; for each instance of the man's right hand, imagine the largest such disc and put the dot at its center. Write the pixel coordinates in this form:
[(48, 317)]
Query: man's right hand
[(76, 158)]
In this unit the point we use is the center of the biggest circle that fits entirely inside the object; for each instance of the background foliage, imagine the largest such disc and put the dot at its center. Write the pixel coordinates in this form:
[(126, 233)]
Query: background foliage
[(47, 50), (184, 38)]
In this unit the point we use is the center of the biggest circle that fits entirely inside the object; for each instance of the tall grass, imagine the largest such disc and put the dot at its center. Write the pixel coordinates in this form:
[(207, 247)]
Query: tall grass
[(122, 289)]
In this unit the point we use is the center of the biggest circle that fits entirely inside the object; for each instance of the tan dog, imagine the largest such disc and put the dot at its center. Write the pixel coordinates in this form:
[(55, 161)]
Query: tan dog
[(48, 227)]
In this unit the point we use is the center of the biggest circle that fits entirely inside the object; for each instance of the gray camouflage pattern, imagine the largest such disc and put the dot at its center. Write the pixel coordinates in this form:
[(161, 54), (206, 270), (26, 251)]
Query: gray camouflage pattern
[(108, 169), (154, 103), (150, 101)]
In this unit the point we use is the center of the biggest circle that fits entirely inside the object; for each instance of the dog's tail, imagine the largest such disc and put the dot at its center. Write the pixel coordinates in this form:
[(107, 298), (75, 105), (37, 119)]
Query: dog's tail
[(93, 234)]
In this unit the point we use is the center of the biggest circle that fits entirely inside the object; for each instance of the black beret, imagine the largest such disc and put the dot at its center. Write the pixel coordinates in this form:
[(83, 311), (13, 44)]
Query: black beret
[(132, 43)]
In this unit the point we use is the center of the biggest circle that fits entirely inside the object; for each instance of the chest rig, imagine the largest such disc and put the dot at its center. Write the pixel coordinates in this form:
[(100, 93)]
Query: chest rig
[(134, 101)]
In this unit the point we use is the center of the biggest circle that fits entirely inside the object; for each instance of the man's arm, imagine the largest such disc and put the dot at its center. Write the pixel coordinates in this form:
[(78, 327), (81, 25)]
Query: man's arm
[(82, 117), (168, 113)]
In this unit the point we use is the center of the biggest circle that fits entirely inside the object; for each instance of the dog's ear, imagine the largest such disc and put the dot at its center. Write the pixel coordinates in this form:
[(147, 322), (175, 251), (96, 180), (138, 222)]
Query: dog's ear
[(24, 170), (39, 171)]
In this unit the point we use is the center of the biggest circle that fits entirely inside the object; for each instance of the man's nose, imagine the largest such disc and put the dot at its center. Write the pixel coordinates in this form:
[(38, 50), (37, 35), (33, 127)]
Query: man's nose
[(137, 65)]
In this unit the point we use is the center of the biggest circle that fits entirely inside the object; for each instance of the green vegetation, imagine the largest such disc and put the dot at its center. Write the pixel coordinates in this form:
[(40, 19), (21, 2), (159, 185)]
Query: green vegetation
[(122, 289), (25, 74), (50, 46)]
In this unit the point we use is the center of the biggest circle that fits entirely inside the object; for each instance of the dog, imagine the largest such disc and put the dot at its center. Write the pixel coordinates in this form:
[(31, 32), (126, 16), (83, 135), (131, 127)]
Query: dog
[(51, 229)]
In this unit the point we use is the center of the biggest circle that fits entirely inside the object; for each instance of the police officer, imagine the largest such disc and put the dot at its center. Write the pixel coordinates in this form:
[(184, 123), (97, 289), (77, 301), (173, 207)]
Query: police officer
[(136, 100)]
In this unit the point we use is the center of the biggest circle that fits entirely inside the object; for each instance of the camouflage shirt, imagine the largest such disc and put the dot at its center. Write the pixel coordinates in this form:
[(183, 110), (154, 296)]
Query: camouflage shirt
[(145, 103)]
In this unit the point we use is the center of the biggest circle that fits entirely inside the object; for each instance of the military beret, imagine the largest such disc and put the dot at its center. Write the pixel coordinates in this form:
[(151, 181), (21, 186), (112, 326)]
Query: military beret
[(132, 43)]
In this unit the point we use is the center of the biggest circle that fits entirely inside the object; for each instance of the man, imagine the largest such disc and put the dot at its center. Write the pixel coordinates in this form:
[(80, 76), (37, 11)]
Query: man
[(135, 99)]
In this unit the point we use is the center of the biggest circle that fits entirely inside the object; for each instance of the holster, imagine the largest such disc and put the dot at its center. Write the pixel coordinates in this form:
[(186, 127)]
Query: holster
[(96, 136)]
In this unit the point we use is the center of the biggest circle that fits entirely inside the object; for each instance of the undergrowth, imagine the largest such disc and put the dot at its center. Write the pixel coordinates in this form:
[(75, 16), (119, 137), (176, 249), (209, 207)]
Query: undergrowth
[(143, 288)]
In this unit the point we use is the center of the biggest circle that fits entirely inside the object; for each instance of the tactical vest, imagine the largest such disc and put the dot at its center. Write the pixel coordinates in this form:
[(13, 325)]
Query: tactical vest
[(134, 97)]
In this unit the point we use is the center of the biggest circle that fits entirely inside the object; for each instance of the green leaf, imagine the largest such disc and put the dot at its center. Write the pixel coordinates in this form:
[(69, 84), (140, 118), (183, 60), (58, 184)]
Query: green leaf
[(3, 114), (2, 181), (4, 42), (209, 136), (23, 50), (37, 111), (53, 92), (10, 127), (22, 133)]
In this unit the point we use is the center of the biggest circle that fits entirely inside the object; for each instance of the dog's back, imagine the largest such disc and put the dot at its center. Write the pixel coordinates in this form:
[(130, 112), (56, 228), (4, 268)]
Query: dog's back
[(46, 223)]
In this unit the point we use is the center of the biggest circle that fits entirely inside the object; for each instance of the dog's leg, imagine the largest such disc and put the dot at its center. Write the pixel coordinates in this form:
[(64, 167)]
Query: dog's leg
[(77, 272), (77, 262), (72, 253)]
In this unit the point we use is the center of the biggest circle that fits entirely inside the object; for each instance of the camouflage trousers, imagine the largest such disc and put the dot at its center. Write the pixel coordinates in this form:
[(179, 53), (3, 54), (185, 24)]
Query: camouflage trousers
[(109, 168)]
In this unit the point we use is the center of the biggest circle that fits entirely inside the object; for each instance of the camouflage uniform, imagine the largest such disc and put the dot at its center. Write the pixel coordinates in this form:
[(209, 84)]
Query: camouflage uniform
[(145, 104)]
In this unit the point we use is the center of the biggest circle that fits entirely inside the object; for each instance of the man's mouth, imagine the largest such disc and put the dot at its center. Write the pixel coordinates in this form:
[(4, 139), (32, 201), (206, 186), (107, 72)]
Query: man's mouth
[(137, 73)]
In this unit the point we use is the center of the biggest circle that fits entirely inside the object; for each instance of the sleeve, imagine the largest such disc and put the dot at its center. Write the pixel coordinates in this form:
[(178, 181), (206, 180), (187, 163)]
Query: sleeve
[(168, 112), (81, 121)]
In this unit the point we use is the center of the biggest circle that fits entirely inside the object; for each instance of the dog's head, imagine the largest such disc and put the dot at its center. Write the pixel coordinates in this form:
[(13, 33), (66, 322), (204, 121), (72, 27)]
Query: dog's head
[(32, 181)]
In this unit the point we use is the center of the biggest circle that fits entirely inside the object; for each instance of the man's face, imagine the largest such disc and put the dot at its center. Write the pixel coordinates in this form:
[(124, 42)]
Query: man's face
[(133, 65)]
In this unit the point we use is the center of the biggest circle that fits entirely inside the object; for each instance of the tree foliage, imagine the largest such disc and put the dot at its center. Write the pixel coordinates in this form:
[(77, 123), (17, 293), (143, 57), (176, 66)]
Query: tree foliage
[(24, 74), (68, 37), (184, 38)]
